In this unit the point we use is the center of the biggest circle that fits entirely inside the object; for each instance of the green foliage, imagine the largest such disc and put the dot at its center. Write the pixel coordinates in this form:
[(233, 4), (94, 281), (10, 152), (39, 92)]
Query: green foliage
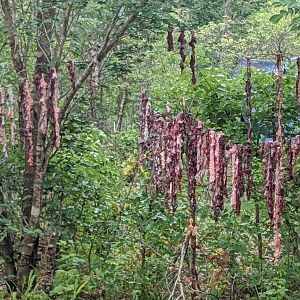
[(288, 8), (227, 42), (276, 289)]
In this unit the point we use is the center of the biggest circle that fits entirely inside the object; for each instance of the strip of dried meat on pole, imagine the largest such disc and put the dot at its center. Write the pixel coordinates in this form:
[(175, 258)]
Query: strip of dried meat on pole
[(41, 86), (226, 160), (156, 148), (238, 189), (54, 109), (207, 149), (201, 155), (28, 122), (268, 152), (163, 138), (289, 159), (279, 203), (210, 158), (170, 178), (2, 123), (170, 40), (182, 44), (71, 68), (192, 44), (178, 138), (191, 133), (298, 83), (220, 167), (212, 166), (296, 150)]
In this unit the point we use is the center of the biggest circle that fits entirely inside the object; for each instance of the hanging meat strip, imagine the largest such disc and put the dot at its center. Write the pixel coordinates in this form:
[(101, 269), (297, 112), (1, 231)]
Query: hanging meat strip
[(234, 176), (289, 159), (156, 147), (220, 167), (192, 44), (248, 170), (191, 133), (21, 108), (298, 83), (71, 68), (279, 203), (201, 155), (54, 109), (170, 155), (212, 166), (2, 123), (207, 149), (296, 150), (11, 114), (178, 133), (41, 86), (268, 152), (182, 44), (226, 159), (170, 40), (236, 153), (28, 122), (262, 153)]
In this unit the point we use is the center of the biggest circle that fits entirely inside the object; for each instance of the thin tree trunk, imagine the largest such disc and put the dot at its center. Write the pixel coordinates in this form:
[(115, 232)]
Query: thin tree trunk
[(29, 175), (123, 100), (100, 108), (93, 105), (28, 251), (6, 251), (193, 265)]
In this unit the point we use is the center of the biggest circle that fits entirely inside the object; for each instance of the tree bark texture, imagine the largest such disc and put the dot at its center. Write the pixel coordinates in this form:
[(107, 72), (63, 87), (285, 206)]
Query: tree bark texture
[(123, 100), (6, 249)]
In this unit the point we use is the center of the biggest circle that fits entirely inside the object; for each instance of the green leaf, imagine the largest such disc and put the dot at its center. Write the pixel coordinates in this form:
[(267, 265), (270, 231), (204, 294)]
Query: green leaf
[(276, 18), (277, 4)]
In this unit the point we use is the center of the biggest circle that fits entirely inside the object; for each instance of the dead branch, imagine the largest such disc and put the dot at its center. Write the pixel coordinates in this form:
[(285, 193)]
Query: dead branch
[(64, 31), (178, 281)]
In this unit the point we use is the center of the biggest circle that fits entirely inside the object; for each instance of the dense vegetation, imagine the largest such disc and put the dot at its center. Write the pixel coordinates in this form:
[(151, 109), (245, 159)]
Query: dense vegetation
[(80, 217)]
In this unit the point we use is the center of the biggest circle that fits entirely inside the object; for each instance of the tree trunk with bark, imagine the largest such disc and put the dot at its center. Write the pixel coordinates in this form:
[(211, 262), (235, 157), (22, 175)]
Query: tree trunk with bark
[(123, 100), (6, 249)]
